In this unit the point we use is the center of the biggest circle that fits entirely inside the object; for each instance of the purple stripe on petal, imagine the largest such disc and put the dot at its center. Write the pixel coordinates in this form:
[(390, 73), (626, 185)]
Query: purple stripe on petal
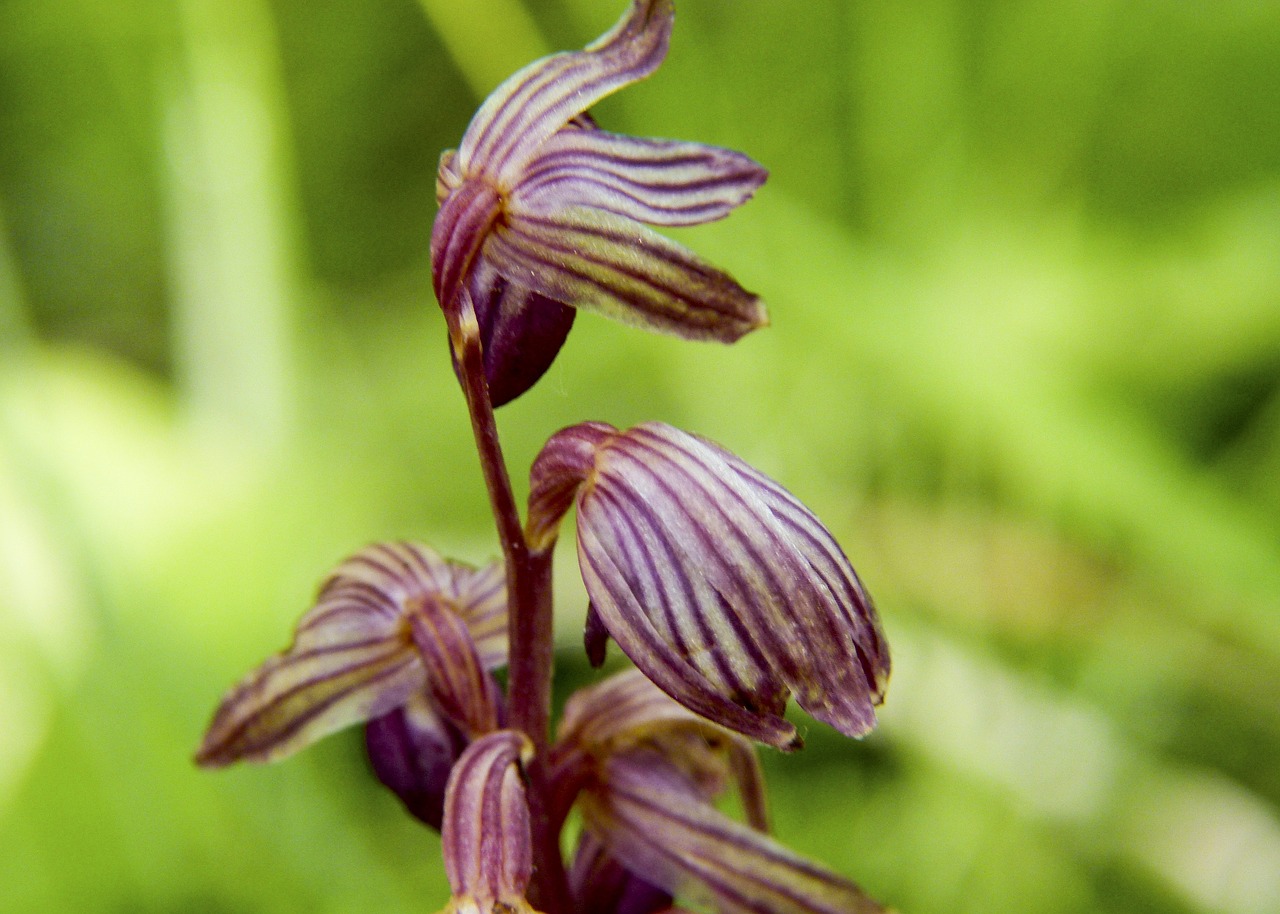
[(535, 102), (810, 629), (485, 835), (460, 686), (717, 583), (702, 510), (289, 703), (653, 819), (692, 615), (457, 235), (661, 182), (565, 462), (607, 263), (352, 658), (640, 641)]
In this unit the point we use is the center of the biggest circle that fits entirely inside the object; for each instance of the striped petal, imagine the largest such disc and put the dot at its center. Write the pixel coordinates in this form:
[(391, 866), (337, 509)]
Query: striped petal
[(459, 684), (721, 587), (661, 182), (627, 710), (655, 821), (562, 466), (349, 662), (607, 263), (392, 576), (364, 649), (539, 99), (488, 853)]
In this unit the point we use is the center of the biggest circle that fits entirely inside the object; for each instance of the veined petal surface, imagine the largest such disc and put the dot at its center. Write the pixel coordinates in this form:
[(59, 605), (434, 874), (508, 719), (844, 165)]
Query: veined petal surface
[(349, 662), (488, 851), (390, 576), (627, 711), (458, 682), (661, 182), (613, 265), (654, 820), (538, 100), (718, 584), (354, 655)]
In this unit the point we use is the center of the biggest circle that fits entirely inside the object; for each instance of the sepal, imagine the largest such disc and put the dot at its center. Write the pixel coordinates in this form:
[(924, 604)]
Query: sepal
[(540, 99), (612, 265), (627, 711), (365, 648)]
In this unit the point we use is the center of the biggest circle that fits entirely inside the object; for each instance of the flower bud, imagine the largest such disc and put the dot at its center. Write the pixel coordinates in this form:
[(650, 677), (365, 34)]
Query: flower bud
[(485, 836), (717, 583)]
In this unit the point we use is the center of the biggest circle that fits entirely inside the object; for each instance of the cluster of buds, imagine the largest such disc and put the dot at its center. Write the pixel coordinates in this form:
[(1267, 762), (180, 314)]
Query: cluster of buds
[(727, 594)]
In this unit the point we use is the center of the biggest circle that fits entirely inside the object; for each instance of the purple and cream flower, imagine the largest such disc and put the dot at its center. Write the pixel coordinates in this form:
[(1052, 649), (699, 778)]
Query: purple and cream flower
[(716, 582), (486, 839), (541, 211), (647, 772), (396, 630)]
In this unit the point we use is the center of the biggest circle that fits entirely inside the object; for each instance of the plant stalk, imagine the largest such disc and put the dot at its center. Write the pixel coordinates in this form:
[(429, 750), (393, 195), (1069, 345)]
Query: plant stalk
[(529, 612)]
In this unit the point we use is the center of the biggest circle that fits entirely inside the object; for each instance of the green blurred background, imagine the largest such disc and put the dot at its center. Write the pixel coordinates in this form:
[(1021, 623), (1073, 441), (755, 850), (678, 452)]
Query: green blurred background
[(1023, 264)]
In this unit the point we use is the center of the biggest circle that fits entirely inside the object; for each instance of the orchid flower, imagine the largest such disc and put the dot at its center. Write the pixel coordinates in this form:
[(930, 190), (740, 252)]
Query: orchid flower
[(394, 626), (540, 212), (649, 772), (486, 834), (714, 580)]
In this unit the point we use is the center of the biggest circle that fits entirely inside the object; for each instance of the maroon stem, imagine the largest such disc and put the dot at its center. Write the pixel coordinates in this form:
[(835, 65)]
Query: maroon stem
[(529, 616)]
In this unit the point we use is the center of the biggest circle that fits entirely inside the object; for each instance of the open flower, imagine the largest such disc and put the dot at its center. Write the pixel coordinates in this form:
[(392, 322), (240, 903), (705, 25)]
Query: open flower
[(393, 622), (718, 584), (649, 772), (540, 210)]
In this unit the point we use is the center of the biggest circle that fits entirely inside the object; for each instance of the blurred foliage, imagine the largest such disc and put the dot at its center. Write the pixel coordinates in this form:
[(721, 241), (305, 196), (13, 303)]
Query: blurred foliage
[(1022, 261)]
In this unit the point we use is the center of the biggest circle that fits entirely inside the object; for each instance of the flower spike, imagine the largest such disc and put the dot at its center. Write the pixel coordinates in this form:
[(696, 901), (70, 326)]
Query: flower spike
[(392, 620), (540, 212), (726, 591)]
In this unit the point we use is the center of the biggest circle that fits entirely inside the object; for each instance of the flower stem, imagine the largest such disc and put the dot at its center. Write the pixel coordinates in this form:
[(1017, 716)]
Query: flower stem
[(529, 611)]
